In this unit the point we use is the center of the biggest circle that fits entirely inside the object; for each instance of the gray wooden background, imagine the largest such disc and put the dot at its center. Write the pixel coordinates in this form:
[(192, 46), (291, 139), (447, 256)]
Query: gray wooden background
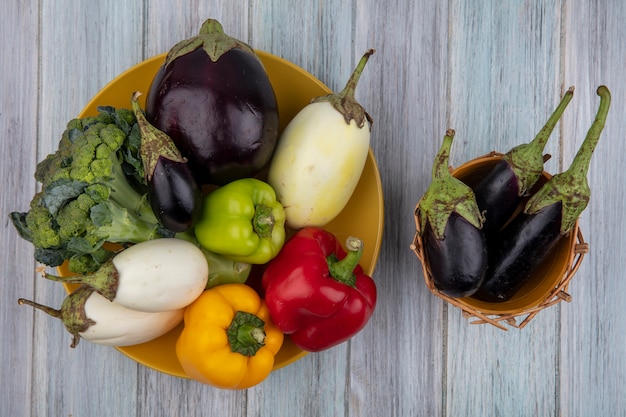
[(493, 70)]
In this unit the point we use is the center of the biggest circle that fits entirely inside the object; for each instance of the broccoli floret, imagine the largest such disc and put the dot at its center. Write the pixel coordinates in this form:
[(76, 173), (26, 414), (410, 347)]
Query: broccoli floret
[(73, 217), (40, 220), (92, 192)]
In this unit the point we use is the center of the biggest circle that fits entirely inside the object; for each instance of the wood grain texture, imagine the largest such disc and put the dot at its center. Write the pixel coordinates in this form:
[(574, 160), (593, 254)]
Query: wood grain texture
[(323, 47), (323, 43), (77, 60), (19, 131), (404, 90), (504, 84), (492, 70), (593, 348), (166, 24)]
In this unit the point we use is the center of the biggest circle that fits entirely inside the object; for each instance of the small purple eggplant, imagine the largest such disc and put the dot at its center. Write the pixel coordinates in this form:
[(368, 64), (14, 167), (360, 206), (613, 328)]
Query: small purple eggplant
[(174, 194), (549, 216), (500, 192), (213, 97), (451, 225)]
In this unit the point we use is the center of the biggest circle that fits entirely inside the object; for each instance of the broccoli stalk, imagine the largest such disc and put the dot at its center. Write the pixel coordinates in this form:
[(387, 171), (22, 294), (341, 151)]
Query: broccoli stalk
[(126, 216)]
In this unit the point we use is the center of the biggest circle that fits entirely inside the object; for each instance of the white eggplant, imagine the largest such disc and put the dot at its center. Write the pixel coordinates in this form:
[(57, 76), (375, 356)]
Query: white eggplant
[(321, 155), (155, 275), (88, 315)]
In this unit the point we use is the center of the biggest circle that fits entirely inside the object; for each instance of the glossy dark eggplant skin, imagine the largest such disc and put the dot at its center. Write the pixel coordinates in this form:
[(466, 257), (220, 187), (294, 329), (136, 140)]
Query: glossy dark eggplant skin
[(222, 116), (497, 196), (457, 262), (518, 250), (175, 196)]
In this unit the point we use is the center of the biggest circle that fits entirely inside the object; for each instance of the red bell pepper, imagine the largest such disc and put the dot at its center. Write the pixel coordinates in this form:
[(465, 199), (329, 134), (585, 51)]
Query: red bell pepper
[(316, 292)]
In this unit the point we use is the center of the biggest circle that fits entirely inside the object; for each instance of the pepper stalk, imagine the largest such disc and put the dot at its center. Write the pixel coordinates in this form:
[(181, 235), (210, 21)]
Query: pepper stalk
[(246, 334), (343, 270)]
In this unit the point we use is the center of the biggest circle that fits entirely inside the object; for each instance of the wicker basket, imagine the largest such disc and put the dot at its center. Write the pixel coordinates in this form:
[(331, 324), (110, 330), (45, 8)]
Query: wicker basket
[(546, 288)]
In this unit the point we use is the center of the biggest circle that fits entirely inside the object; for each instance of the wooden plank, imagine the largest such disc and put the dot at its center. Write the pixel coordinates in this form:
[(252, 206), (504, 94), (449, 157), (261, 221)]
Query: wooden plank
[(396, 366), (166, 24), (82, 49), (593, 363), (503, 85), (18, 109), (320, 40), (322, 47)]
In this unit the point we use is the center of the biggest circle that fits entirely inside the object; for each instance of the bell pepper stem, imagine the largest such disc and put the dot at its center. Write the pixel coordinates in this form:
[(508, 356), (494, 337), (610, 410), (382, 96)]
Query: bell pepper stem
[(249, 334), (343, 270), (263, 223), (246, 334)]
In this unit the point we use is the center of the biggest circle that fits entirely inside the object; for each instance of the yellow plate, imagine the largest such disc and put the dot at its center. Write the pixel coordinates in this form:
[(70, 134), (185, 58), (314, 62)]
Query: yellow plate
[(294, 88)]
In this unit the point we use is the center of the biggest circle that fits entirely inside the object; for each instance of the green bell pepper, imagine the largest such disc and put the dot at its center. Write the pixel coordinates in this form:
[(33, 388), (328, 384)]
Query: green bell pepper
[(242, 221)]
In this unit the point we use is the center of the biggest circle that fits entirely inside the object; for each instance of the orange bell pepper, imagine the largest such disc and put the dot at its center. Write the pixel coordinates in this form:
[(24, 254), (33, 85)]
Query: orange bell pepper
[(228, 340)]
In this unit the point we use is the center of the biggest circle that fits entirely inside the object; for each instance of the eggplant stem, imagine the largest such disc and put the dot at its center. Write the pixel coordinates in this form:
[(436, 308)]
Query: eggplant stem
[(344, 101), (440, 167), (212, 39), (211, 26), (542, 137), (155, 144), (105, 280), (571, 187), (49, 310), (526, 160), (350, 87), (582, 160)]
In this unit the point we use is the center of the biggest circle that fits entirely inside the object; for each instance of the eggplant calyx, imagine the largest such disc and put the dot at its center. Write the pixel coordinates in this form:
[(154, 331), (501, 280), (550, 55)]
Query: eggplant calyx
[(345, 102), (526, 160), (212, 39), (571, 186), (446, 195), (72, 312), (155, 144), (105, 280)]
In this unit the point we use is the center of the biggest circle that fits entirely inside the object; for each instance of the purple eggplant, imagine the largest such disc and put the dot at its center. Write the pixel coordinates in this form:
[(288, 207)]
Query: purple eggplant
[(548, 216), (453, 243), (213, 97), (520, 248), (174, 194), (501, 191)]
